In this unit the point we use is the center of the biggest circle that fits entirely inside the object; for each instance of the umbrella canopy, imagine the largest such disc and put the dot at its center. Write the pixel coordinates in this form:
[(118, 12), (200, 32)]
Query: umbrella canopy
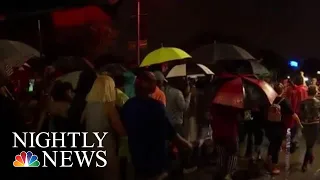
[(14, 53), (114, 69), (242, 91), (258, 68), (72, 78), (215, 52), (241, 67), (189, 70), (69, 64), (164, 54)]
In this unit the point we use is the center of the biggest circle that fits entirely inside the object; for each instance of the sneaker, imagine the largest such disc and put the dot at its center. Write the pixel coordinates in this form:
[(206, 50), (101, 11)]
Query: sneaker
[(189, 170), (275, 171)]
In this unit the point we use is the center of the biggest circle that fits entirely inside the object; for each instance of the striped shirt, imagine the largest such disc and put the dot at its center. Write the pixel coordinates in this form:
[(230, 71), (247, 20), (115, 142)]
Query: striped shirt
[(310, 111)]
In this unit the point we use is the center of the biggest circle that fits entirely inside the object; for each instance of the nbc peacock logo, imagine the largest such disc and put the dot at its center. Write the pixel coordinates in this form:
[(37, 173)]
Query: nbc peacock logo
[(26, 160)]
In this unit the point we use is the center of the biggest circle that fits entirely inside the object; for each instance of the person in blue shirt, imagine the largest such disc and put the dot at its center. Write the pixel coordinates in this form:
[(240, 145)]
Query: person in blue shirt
[(148, 128), (128, 87)]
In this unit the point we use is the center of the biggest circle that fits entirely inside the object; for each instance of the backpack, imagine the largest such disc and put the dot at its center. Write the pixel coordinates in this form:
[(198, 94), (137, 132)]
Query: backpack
[(274, 112), (309, 111)]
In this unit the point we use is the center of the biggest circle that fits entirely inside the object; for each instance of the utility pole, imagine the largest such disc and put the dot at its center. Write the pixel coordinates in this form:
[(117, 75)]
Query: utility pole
[(138, 23), (138, 32)]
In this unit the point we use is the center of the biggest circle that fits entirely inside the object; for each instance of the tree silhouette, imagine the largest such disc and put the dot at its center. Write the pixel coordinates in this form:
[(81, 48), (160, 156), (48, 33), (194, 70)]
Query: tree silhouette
[(275, 63)]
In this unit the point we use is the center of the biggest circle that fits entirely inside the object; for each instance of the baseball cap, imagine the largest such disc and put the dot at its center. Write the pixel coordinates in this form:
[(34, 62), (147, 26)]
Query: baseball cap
[(159, 76)]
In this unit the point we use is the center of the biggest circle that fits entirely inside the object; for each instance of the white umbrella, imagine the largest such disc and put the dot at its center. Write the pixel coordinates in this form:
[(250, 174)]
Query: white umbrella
[(187, 70), (72, 78), (212, 53), (16, 53)]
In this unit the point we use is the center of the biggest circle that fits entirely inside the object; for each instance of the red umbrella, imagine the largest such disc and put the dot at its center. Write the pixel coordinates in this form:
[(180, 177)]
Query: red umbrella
[(242, 91)]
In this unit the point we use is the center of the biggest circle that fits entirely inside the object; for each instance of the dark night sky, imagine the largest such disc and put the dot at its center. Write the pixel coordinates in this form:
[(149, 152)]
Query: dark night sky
[(288, 27)]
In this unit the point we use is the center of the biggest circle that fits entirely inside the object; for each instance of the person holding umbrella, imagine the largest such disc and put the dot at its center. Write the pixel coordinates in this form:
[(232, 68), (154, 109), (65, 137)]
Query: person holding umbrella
[(225, 134), (232, 95), (178, 96)]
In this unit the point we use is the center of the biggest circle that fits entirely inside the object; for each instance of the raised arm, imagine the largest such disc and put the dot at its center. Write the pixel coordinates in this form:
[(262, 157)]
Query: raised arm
[(183, 102)]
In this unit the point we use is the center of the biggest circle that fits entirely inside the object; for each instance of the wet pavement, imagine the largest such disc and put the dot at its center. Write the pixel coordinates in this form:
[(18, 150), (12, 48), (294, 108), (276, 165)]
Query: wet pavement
[(295, 172)]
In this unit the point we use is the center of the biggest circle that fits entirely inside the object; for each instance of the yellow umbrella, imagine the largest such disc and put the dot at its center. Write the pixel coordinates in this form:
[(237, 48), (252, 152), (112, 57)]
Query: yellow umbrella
[(164, 54)]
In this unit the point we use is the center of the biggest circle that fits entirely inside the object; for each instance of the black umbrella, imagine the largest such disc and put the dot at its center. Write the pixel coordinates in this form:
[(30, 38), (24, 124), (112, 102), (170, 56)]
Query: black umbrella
[(215, 52), (241, 67), (69, 64), (229, 58), (114, 69)]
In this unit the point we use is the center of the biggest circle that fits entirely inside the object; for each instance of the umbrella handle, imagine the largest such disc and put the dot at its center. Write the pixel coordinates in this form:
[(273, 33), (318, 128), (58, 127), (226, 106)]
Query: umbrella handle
[(8, 92)]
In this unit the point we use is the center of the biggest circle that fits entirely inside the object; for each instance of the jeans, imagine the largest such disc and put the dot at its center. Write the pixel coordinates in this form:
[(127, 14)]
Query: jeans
[(310, 133)]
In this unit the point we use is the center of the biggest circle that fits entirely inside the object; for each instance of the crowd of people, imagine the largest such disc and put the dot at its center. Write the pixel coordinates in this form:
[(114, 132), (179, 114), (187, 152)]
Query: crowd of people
[(151, 115)]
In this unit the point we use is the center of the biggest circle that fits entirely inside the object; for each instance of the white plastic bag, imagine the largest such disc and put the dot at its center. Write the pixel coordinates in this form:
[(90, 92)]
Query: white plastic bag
[(206, 133)]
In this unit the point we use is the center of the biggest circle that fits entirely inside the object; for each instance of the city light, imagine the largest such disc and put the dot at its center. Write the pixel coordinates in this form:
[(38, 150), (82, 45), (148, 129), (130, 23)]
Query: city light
[(318, 72), (294, 64)]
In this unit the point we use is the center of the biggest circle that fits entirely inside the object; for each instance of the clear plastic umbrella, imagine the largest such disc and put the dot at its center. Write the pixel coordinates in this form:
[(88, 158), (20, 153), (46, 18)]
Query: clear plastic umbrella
[(72, 78), (16, 53)]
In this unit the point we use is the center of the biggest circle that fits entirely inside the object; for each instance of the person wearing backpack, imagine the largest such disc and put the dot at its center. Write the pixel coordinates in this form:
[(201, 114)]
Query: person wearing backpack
[(275, 126), (310, 117)]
